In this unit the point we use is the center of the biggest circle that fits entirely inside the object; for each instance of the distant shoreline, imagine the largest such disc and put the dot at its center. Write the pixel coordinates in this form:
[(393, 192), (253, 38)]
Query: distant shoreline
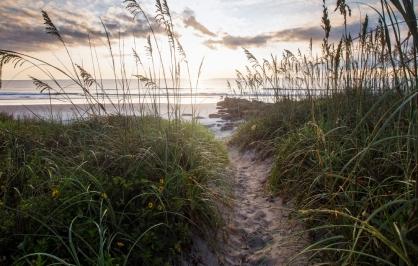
[(67, 108), (67, 112)]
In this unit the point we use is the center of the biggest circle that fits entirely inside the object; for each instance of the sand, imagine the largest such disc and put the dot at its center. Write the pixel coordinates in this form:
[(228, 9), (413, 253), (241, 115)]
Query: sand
[(258, 229), (66, 112)]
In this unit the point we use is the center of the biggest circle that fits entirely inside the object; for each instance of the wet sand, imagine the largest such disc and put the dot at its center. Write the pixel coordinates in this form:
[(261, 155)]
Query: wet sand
[(67, 112)]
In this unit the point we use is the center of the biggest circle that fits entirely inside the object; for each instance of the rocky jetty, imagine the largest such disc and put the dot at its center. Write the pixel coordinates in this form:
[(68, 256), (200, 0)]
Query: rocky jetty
[(234, 111)]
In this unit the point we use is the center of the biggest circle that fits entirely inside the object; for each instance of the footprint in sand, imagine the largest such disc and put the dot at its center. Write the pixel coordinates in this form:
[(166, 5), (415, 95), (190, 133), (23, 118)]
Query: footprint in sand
[(258, 230), (255, 235)]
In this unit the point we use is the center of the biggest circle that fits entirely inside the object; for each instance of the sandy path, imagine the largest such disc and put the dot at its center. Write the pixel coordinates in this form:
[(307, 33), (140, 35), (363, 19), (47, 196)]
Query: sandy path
[(258, 230)]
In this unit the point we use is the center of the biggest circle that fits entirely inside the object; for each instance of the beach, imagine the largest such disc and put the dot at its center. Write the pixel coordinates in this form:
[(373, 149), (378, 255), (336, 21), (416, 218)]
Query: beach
[(140, 134), (65, 112)]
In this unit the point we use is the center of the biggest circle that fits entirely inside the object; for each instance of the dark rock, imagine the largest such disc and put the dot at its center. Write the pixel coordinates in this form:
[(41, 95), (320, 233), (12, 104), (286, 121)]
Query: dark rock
[(235, 109), (227, 127), (227, 117), (215, 116)]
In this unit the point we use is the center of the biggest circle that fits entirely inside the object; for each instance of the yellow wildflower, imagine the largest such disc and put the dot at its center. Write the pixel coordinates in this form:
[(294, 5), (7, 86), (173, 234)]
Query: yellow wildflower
[(55, 193), (161, 181), (120, 244), (103, 195), (177, 247), (150, 205), (254, 127)]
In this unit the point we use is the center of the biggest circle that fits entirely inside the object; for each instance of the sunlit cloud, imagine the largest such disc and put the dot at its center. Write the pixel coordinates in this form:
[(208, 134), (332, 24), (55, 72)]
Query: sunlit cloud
[(215, 29), (299, 34), (22, 28), (189, 20)]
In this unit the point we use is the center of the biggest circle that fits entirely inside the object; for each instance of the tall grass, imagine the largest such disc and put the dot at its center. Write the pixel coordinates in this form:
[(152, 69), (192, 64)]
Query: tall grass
[(344, 132), (103, 192), (378, 59), (118, 184)]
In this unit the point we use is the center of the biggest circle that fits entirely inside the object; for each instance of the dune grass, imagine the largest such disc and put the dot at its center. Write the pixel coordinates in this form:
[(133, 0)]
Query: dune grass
[(354, 184), (117, 190), (117, 184), (353, 178), (344, 134)]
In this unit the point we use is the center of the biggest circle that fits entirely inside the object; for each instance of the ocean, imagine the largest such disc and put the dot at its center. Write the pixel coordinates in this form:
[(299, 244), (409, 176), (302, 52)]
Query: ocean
[(22, 99), (24, 92)]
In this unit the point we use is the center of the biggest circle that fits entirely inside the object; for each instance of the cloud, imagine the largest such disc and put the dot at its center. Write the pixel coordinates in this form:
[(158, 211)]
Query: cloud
[(189, 20), (22, 29), (298, 34), (234, 42), (288, 35)]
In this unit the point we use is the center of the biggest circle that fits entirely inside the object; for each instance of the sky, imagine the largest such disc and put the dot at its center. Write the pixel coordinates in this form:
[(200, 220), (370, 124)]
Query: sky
[(215, 30)]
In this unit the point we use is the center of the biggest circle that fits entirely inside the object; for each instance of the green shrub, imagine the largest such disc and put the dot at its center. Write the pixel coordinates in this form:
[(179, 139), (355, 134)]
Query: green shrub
[(105, 191)]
